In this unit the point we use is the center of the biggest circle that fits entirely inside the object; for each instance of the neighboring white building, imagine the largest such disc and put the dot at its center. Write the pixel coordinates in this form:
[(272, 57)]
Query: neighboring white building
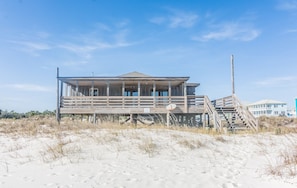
[(268, 108), (291, 112)]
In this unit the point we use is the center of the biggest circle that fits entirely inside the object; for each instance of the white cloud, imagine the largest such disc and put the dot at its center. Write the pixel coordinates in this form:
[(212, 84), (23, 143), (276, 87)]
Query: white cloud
[(42, 34), (231, 31), (29, 87), (122, 23), (85, 50), (86, 45), (292, 31), (102, 26), (34, 46), (75, 63), (158, 20), (176, 19), (185, 20), (287, 5), (277, 81)]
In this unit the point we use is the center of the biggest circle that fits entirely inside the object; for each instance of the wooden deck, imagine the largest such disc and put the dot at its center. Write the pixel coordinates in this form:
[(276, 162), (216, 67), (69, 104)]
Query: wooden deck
[(135, 94), (130, 104)]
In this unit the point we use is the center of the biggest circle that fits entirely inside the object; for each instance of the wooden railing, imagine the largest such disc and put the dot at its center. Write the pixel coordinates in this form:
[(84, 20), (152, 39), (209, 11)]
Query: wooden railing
[(192, 102), (210, 109), (120, 101), (234, 102), (224, 102), (195, 100), (245, 113)]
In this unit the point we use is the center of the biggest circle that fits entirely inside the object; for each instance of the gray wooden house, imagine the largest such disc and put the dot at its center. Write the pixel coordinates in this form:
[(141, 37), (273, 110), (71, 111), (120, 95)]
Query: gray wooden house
[(136, 95)]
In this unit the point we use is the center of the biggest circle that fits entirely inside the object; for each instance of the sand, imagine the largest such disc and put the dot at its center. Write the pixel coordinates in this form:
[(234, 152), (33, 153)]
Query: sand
[(146, 158)]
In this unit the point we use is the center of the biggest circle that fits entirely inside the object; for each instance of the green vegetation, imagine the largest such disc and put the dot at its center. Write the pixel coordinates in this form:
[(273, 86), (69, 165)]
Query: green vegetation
[(15, 115)]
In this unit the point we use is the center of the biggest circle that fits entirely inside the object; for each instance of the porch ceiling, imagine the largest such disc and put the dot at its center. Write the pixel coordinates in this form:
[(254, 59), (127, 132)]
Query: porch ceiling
[(160, 81)]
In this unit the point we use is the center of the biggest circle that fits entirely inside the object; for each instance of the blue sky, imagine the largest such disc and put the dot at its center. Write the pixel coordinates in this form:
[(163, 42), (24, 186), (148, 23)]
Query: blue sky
[(160, 38)]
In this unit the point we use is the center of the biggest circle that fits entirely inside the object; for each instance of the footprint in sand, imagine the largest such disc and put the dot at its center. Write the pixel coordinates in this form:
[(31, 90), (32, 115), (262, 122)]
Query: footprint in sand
[(229, 185), (131, 180), (28, 179)]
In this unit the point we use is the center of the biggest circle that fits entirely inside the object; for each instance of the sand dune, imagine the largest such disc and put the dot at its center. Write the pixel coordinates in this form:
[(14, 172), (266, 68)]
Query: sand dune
[(146, 158)]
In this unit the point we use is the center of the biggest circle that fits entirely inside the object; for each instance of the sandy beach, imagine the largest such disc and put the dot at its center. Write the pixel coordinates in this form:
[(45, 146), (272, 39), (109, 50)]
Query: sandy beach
[(146, 157)]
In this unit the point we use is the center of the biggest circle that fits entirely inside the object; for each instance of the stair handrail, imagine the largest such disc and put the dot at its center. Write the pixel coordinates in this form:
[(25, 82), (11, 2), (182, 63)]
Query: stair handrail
[(248, 116), (223, 102), (210, 109)]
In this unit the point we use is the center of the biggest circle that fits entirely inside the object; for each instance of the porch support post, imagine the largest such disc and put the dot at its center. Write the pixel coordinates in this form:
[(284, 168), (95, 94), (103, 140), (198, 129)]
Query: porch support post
[(123, 88), (92, 94), (185, 97), (138, 91), (66, 92), (168, 118), (76, 89), (107, 93), (94, 118), (154, 93), (61, 92), (58, 117), (92, 91), (123, 94), (169, 91)]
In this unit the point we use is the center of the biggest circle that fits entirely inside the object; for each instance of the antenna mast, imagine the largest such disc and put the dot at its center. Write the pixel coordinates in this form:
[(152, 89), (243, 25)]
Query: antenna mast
[(232, 74)]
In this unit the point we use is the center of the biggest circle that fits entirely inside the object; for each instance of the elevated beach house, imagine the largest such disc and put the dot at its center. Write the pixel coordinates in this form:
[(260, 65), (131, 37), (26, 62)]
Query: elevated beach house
[(268, 108), (137, 97)]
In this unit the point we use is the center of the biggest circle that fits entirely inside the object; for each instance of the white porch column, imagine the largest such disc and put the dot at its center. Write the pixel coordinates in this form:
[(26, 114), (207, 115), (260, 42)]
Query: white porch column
[(107, 93), (123, 94), (185, 97), (76, 89), (169, 91), (138, 91), (154, 93)]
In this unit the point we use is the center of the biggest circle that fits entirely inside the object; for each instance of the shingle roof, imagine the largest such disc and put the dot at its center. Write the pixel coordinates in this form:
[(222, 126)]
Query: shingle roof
[(134, 74)]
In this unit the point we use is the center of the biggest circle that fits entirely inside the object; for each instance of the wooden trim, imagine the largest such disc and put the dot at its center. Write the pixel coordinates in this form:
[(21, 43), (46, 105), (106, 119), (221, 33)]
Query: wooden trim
[(185, 97), (169, 91), (154, 93), (58, 98), (138, 91)]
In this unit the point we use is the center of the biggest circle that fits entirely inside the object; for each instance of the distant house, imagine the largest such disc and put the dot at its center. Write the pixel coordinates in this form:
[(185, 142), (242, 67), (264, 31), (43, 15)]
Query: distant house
[(268, 108), (291, 112)]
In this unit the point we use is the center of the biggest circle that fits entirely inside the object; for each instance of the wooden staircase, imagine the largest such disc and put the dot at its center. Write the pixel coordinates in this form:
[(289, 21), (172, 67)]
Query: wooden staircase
[(235, 116), (212, 113)]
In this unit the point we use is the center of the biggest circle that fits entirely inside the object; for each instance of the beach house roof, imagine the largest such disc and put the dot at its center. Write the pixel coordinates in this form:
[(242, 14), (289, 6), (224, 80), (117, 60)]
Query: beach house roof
[(267, 101)]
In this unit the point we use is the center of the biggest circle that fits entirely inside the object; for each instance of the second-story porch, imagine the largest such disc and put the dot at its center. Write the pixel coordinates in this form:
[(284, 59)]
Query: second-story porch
[(129, 93)]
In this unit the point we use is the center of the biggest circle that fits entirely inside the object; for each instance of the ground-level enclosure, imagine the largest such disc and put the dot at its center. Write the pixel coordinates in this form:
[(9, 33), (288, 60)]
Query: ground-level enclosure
[(136, 97)]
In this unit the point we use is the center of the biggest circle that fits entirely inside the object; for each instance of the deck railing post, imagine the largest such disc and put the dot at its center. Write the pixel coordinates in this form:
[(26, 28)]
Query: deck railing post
[(169, 91), (138, 91), (154, 94), (107, 93), (185, 98), (92, 93), (123, 95), (58, 98)]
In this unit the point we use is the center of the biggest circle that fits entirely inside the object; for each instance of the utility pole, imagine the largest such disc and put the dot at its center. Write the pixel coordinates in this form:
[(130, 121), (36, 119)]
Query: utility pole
[(58, 116), (232, 74)]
